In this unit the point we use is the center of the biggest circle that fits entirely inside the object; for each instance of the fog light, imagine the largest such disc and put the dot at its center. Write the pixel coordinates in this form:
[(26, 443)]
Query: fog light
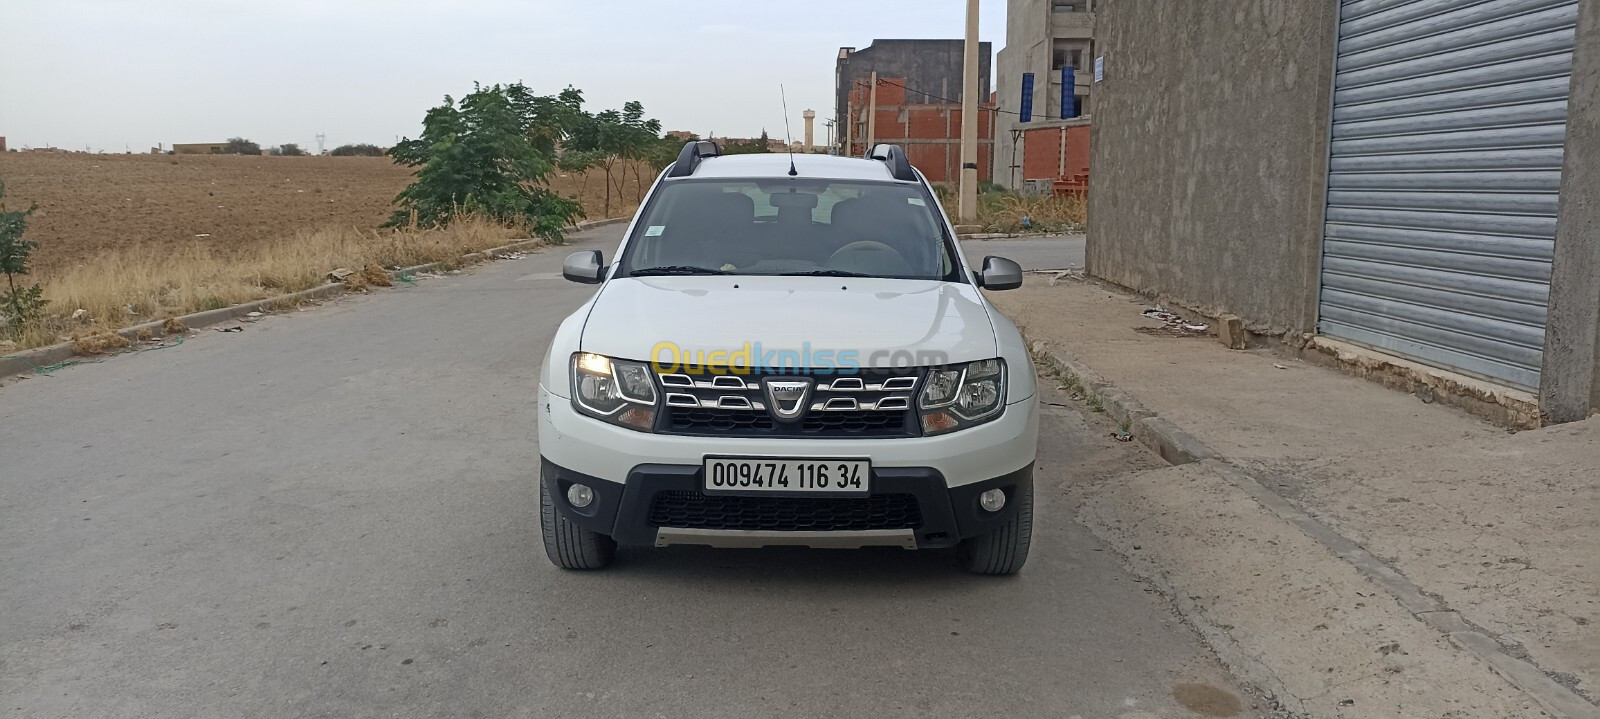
[(638, 417), (991, 500), (580, 496), (938, 422)]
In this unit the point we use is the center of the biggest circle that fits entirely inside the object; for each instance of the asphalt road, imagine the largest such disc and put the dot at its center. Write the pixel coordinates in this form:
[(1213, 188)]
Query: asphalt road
[(1050, 252), (332, 513)]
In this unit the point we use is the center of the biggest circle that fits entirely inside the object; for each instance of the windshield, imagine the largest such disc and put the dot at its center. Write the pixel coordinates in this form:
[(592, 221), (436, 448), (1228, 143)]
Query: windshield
[(790, 227)]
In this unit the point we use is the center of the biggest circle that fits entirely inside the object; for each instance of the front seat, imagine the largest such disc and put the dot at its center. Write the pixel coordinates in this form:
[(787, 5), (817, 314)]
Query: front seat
[(709, 228), (884, 220)]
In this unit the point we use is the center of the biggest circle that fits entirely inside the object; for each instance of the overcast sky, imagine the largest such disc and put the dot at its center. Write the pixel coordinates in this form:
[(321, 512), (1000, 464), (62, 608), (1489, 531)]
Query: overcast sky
[(115, 74)]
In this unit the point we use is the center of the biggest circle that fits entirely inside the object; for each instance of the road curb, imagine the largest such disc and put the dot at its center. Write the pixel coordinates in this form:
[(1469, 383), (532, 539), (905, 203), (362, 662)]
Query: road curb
[(1011, 235), (21, 363), (1177, 447), (1160, 435)]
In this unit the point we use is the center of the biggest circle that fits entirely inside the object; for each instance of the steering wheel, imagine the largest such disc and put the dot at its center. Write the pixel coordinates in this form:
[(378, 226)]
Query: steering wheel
[(868, 245), (883, 258)]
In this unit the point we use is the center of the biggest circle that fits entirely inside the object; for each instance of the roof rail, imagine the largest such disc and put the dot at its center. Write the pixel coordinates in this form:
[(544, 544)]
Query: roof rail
[(895, 157), (693, 152)]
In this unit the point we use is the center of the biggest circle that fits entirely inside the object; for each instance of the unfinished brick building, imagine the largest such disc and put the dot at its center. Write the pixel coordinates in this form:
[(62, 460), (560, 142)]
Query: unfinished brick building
[(918, 103)]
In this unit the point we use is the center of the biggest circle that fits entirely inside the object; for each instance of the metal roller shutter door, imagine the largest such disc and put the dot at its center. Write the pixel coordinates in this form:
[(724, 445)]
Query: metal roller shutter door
[(1449, 118)]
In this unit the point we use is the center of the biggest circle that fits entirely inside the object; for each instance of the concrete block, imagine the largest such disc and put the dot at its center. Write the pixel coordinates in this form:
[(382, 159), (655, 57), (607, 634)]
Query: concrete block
[(1231, 332), (1172, 444), (1122, 406)]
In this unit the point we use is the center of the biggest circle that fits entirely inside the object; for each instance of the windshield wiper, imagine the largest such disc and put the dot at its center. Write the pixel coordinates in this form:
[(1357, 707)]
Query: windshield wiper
[(824, 273), (676, 270)]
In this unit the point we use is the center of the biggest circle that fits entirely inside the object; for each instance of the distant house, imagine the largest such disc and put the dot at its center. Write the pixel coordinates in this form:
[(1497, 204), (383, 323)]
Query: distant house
[(2, 144), (200, 148)]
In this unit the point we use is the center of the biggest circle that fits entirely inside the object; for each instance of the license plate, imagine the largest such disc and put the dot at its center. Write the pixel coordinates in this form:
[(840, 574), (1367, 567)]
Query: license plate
[(777, 475)]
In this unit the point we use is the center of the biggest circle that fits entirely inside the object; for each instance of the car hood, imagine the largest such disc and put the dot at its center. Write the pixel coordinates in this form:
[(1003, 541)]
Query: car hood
[(881, 320)]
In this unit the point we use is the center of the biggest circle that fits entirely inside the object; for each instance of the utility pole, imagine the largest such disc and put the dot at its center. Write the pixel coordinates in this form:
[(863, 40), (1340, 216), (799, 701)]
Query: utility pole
[(872, 113), (849, 130), (969, 121)]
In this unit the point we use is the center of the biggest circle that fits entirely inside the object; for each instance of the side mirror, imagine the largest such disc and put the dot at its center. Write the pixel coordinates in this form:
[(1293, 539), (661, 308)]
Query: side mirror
[(1000, 273), (587, 267)]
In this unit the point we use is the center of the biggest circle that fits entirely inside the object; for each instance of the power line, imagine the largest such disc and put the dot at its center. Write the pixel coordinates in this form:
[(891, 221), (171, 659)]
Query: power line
[(883, 81)]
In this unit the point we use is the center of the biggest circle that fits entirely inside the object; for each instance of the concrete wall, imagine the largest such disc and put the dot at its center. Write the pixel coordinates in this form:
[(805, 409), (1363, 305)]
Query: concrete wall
[(1210, 154), (931, 66), (200, 148), (1570, 385)]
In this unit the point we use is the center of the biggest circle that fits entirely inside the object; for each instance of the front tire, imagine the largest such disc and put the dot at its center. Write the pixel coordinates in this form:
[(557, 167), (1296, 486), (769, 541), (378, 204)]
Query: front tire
[(568, 545), (1004, 550)]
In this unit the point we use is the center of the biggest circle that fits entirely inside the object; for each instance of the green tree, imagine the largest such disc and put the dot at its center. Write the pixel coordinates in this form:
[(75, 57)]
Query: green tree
[(665, 151), (289, 149), (241, 146), (363, 149), (480, 156), (614, 136), (749, 147), (580, 162), (548, 120), (20, 305)]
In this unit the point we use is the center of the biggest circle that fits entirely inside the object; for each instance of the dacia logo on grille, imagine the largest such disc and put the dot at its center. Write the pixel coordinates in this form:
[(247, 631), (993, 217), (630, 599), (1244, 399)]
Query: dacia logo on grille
[(786, 398)]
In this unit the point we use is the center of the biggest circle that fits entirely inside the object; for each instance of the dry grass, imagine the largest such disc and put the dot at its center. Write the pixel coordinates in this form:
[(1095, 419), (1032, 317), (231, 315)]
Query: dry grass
[(137, 284), (1044, 213), (93, 204), (98, 343), (376, 276), (135, 238), (1003, 211)]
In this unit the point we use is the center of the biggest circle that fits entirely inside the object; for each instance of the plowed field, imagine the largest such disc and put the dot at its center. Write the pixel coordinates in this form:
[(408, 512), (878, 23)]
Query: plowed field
[(90, 203)]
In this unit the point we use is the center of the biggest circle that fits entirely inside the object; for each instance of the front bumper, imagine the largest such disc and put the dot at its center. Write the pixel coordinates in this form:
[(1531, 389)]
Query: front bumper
[(589, 446), (909, 507)]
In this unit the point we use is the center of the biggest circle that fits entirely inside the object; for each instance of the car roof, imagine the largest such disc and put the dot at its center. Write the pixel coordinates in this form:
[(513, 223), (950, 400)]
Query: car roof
[(776, 164)]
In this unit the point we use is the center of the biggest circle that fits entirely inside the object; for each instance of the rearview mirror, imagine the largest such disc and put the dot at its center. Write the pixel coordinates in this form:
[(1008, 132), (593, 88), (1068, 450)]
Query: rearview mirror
[(793, 200), (1000, 273), (587, 267)]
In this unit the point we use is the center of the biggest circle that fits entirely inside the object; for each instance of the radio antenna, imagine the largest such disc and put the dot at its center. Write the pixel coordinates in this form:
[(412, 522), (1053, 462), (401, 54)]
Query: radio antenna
[(787, 136)]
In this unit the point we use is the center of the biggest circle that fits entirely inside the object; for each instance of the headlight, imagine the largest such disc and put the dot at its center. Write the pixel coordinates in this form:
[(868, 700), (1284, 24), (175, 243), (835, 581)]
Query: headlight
[(617, 391), (962, 396)]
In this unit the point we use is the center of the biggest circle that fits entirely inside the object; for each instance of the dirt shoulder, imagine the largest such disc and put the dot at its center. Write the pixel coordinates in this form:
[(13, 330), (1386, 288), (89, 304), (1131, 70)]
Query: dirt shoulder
[(1496, 527)]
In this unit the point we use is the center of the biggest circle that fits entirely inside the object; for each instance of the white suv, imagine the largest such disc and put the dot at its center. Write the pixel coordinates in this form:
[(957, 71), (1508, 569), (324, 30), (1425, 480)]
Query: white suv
[(788, 351)]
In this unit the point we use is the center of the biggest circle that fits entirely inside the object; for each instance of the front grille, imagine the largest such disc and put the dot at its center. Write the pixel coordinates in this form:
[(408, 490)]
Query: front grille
[(873, 423), (868, 403), (717, 421), (697, 510)]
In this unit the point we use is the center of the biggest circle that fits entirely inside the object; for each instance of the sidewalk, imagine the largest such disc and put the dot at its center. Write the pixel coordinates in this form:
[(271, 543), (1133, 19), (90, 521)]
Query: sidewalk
[(1351, 549)]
